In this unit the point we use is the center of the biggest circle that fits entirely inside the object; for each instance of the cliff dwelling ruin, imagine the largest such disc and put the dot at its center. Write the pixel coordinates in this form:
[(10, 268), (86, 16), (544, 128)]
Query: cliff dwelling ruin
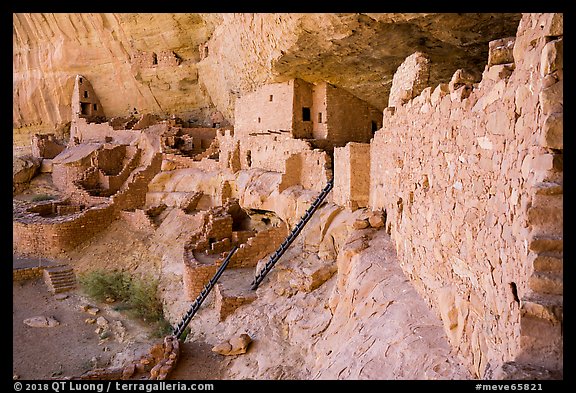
[(310, 203)]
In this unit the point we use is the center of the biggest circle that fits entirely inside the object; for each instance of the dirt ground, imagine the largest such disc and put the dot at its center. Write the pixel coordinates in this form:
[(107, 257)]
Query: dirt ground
[(73, 347)]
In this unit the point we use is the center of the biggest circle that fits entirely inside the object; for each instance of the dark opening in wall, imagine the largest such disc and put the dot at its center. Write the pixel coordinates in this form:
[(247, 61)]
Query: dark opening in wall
[(514, 292), (249, 158), (80, 80), (374, 126), (95, 106), (259, 120), (271, 97), (85, 93), (85, 108), (319, 117), (154, 59), (305, 114)]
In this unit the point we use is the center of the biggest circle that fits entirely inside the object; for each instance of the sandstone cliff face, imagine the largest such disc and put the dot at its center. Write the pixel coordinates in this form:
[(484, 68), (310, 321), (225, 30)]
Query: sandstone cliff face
[(193, 65), (142, 61)]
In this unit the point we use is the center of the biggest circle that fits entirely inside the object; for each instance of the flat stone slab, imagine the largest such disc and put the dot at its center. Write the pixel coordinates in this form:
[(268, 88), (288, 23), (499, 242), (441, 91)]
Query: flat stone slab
[(41, 321)]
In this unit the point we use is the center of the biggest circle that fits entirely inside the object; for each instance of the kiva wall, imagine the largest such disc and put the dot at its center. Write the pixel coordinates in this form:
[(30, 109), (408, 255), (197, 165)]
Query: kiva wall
[(457, 178)]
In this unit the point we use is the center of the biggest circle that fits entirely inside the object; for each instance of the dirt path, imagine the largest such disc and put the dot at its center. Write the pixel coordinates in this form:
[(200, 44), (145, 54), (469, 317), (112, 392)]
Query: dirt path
[(73, 347)]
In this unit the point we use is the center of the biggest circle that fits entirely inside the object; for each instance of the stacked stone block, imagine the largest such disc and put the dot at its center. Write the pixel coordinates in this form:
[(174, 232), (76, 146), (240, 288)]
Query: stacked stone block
[(257, 247), (59, 278), (157, 364), (27, 273), (352, 175), (457, 174)]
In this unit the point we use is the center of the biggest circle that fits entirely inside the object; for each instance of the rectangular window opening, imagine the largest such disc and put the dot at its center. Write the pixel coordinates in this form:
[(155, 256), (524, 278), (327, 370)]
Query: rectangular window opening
[(319, 117), (95, 107), (85, 93), (85, 108), (305, 114), (271, 97)]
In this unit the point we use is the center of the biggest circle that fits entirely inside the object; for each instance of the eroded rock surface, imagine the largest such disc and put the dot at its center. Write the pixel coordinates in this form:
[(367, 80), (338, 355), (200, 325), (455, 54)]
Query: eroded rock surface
[(196, 65)]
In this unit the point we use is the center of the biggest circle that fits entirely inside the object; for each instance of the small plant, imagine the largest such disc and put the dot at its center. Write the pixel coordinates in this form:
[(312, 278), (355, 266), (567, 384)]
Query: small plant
[(137, 296), (42, 197)]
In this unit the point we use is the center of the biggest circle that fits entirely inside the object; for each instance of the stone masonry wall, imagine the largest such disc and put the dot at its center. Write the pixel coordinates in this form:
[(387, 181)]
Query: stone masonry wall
[(296, 159), (269, 108), (352, 175), (456, 177), (51, 239), (37, 236), (349, 118), (257, 247), (27, 273)]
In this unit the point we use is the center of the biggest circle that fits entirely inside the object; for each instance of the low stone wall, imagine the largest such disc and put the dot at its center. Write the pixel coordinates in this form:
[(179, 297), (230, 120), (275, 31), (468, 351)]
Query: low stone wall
[(155, 365), (27, 273), (257, 247), (196, 276), (50, 238)]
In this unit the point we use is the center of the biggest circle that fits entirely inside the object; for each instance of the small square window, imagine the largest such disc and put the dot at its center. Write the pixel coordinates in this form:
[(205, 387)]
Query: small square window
[(305, 114)]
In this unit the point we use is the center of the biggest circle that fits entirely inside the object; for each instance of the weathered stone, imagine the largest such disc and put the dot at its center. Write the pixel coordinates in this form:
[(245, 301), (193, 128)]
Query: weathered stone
[(484, 142), (93, 310), (23, 170), (41, 321), (234, 346), (223, 348), (128, 371), (440, 91), (501, 51), (360, 224), (555, 26), (240, 344), (376, 220), (499, 72), (90, 321), (61, 296), (462, 78), (552, 57), (552, 99), (409, 79), (101, 321), (542, 162), (553, 131)]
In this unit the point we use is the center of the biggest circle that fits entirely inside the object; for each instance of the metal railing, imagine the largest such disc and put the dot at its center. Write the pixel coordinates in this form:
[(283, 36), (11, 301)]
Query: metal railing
[(179, 329), (293, 235)]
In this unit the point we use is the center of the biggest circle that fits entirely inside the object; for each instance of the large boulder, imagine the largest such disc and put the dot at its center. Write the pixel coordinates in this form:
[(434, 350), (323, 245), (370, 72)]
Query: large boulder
[(24, 168)]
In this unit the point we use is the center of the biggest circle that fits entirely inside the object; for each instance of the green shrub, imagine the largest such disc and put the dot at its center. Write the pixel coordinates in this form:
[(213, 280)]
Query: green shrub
[(137, 296), (100, 284)]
